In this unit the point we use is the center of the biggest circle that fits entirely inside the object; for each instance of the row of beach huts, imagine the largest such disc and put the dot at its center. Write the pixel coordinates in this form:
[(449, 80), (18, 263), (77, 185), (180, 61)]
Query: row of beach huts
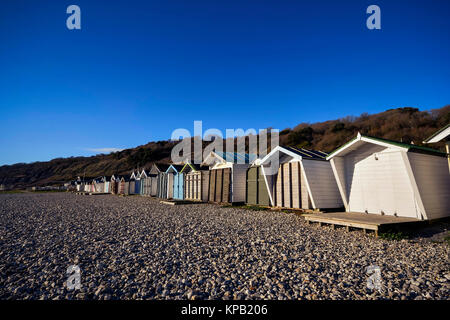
[(367, 175)]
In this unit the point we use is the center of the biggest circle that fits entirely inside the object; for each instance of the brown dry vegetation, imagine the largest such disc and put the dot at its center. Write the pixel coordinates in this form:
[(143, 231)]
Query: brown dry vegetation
[(403, 124)]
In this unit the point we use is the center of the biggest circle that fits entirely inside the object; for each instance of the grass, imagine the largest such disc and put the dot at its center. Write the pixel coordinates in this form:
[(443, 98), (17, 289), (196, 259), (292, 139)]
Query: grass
[(447, 240), (393, 235)]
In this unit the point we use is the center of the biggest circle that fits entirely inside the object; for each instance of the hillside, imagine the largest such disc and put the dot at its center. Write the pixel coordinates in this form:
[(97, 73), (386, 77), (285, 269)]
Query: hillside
[(403, 124)]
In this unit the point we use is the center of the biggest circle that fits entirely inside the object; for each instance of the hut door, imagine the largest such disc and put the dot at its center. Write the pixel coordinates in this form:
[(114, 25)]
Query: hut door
[(252, 185), (219, 185), (263, 194), (176, 186), (181, 186), (170, 184)]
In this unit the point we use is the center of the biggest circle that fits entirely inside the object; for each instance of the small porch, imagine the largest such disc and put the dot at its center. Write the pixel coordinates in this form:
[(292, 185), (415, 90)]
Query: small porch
[(175, 202), (364, 221)]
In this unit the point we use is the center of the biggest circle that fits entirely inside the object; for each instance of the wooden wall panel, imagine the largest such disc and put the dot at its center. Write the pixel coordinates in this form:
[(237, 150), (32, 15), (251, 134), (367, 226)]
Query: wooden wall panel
[(286, 185), (204, 185), (212, 186), (252, 186), (279, 187), (219, 186), (295, 184), (226, 185)]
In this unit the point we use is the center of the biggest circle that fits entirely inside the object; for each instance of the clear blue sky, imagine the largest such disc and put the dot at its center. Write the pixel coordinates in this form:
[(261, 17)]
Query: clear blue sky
[(139, 69)]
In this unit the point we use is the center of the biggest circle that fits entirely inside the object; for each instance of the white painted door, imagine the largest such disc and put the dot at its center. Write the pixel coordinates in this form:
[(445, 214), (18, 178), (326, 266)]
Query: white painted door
[(379, 184)]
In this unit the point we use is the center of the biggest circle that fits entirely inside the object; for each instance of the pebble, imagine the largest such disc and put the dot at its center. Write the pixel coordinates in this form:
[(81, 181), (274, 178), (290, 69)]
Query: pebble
[(136, 248)]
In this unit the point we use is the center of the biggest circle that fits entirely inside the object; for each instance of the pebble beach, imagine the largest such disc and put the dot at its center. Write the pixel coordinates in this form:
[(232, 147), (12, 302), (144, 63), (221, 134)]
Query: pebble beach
[(137, 248)]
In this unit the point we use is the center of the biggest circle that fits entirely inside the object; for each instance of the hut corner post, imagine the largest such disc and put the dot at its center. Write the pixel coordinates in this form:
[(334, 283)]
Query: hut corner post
[(447, 148)]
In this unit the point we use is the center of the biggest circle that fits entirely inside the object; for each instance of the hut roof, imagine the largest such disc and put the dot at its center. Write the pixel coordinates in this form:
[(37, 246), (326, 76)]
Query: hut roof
[(296, 153), (175, 167), (233, 157), (162, 167), (355, 142), (442, 134), (193, 167)]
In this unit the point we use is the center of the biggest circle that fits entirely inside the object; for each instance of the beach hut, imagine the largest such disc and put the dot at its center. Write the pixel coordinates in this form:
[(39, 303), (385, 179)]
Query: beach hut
[(90, 186), (159, 169), (442, 135), (196, 182), (87, 186), (257, 192), (98, 185), (145, 183), (303, 179), (157, 181), (132, 183), (80, 185), (137, 183), (387, 177), (227, 176), (124, 185), (113, 184), (120, 184), (106, 184), (162, 186), (175, 182)]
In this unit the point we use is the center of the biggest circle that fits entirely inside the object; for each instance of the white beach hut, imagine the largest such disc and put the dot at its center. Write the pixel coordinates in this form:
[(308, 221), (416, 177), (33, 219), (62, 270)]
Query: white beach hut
[(442, 135), (391, 178)]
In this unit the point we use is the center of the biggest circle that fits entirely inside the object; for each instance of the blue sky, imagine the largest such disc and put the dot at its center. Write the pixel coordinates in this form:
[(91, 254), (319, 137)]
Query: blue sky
[(137, 70)]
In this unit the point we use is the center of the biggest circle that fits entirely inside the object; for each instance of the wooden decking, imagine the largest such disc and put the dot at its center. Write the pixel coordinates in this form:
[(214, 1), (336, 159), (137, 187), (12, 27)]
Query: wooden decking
[(86, 193), (358, 220), (173, 202)]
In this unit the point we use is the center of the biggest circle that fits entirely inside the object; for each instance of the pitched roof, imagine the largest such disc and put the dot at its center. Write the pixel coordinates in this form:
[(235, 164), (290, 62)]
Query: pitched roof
[(382, 141), (236, 157), (125, 177), (305, 153), (297, 153), (193, 167), (162, 166), (176, 167), (441, 134)]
